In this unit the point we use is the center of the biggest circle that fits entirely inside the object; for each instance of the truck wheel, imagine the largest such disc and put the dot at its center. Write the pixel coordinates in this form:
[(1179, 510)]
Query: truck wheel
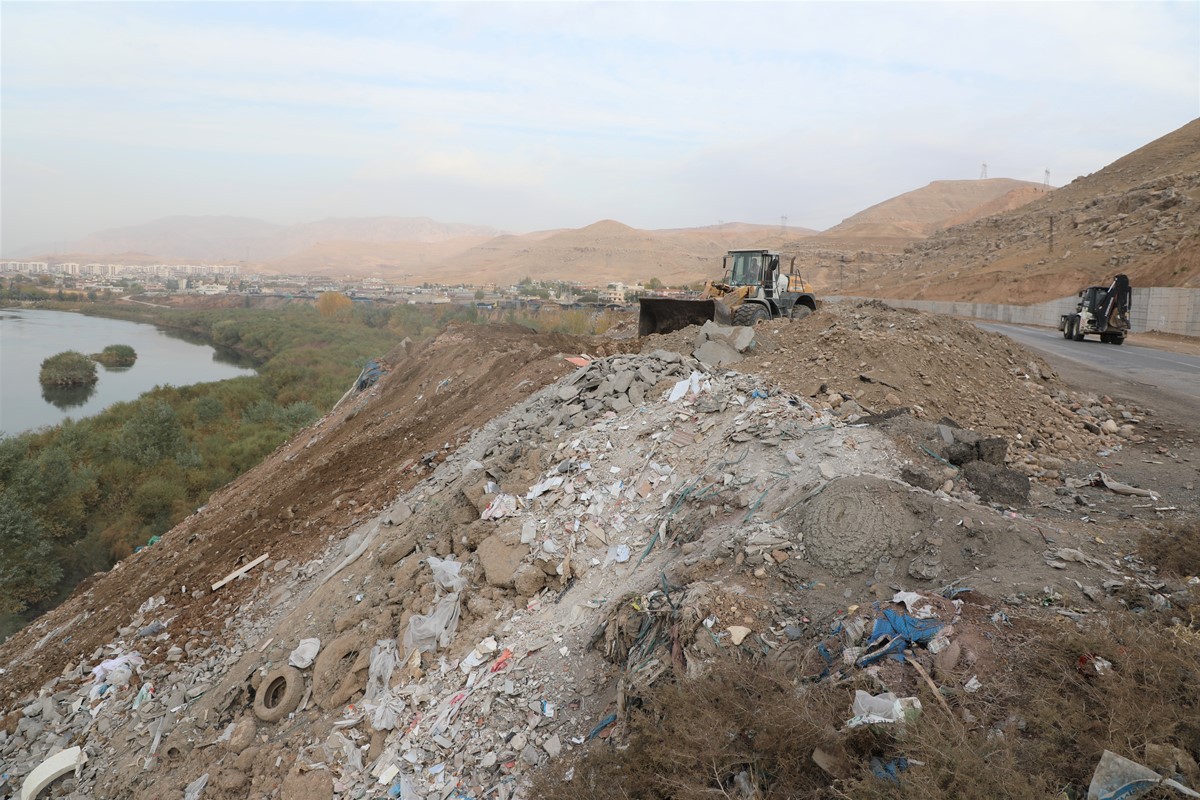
[(799, 312), (1076, 334), (750, 314), (1067, 332), (1117, 339)]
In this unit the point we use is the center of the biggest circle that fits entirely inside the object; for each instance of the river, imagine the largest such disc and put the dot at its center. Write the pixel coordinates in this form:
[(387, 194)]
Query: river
[(28, 336)]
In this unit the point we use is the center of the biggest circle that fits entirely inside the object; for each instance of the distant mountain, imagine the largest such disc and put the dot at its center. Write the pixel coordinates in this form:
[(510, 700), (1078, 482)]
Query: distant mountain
[(1139, 215), (224, 238), (921, 212)]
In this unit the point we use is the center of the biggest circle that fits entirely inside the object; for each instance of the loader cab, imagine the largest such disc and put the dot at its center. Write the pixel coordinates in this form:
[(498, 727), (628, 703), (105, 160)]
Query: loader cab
[(1091, 298), (745, 267)]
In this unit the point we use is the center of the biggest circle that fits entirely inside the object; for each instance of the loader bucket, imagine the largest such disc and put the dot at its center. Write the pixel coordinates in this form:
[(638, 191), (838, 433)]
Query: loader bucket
[(665, 314)]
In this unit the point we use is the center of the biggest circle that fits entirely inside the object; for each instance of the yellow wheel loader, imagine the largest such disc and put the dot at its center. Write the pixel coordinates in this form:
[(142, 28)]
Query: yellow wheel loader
[(753, 289)]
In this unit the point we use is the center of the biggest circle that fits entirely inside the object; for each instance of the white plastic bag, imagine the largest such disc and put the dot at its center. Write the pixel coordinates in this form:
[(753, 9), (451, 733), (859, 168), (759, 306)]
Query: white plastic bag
[(427, 632), (446, 574), (305, 652)]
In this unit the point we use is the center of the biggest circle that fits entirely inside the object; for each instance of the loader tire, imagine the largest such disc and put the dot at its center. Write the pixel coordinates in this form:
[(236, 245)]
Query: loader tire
[(799, 312), (1067, 330), (1077, 334), (750, 314), (279, 694)]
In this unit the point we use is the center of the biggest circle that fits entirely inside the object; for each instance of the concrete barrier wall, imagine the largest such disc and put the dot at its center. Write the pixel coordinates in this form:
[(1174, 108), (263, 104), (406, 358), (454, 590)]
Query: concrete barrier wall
[(1155, 309)]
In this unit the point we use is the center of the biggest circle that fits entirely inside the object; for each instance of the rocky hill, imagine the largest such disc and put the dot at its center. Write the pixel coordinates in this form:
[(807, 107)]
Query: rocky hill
[(1140, 215)]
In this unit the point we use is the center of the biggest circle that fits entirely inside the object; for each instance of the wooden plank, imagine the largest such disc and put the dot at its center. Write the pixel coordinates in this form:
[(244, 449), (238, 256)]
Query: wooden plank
[(240, 572)]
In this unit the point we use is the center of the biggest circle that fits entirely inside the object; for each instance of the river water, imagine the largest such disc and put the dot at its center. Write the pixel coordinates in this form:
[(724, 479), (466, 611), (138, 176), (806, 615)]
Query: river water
[(28, 336)]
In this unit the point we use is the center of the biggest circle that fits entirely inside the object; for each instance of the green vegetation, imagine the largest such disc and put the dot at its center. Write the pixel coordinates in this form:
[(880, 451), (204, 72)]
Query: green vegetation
[(68, 368), (116, 355), (75, 498)]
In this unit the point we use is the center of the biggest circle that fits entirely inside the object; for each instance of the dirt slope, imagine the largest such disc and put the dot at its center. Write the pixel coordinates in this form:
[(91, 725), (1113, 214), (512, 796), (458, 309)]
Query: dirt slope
[(1139, 215)]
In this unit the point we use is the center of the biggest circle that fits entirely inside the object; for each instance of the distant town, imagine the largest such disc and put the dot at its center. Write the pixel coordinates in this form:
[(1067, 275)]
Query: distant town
[(221, 279)]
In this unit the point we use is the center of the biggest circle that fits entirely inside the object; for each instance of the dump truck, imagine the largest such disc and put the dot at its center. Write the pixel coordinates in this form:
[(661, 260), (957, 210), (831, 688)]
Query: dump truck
[(753, 288), (1101, 311)]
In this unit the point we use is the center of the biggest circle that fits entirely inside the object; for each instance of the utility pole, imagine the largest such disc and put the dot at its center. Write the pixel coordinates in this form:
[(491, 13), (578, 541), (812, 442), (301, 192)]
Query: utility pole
[(1051, 218), (983, 171), (1046, 180)]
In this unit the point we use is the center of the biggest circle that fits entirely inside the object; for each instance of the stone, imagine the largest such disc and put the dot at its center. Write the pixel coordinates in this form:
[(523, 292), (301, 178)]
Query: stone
[(528, 580), (621, 403), (738, 633), (1109, 426), (243, 735), (500, 560), (997, 484), (993, 450), (622, 381), (717, 354), (553, 746), (915, 476)]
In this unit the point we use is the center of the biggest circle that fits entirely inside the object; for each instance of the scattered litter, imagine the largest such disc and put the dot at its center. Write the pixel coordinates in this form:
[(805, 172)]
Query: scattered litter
[(237, 573), (194, 789), (1118, 778), (305, 653), (883, 708), (102, 670), (50, 770)]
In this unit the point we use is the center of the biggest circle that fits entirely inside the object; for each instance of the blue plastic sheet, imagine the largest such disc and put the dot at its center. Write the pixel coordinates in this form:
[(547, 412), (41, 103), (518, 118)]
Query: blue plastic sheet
[(889, 770), (894, 632)]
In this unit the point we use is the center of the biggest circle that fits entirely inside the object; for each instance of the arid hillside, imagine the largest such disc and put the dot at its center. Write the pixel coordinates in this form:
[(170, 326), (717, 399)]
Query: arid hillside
[(921, 212), (1140, 215), (241, 239)]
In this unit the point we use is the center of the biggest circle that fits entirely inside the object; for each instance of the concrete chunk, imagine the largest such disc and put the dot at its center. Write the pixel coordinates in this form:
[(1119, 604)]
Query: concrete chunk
[(717, 354)]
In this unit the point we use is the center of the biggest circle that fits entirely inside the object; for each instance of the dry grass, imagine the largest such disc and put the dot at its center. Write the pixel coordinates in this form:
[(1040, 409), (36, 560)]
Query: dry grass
[(1036, 729), (1175, 550)]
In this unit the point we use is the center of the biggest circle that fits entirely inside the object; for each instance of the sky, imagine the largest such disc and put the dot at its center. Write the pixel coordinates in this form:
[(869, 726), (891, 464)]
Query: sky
[(532, 116)]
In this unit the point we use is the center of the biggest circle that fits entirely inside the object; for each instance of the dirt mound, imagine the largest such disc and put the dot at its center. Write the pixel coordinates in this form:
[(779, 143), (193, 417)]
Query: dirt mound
[(854, 522)]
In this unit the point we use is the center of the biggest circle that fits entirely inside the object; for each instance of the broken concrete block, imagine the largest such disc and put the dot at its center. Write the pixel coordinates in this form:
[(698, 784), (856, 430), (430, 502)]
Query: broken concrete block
[(500, 560), (717, 354)]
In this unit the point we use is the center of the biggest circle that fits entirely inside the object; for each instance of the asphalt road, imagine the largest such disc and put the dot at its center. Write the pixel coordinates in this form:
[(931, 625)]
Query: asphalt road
[(1175, 373)]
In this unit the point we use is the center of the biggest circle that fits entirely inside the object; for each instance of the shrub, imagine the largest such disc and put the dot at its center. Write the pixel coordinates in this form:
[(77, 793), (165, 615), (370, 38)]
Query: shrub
[(69, 368), (116, 355)]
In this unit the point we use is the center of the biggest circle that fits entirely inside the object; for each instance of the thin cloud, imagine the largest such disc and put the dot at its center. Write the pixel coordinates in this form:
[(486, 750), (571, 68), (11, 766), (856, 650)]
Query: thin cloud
[(540, 115)]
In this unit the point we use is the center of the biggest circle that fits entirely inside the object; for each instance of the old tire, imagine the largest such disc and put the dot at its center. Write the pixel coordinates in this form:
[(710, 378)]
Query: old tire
[(1067, 330), (279, 694), (799, 312), (1076, 334), (334, 670), (750, 314)]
